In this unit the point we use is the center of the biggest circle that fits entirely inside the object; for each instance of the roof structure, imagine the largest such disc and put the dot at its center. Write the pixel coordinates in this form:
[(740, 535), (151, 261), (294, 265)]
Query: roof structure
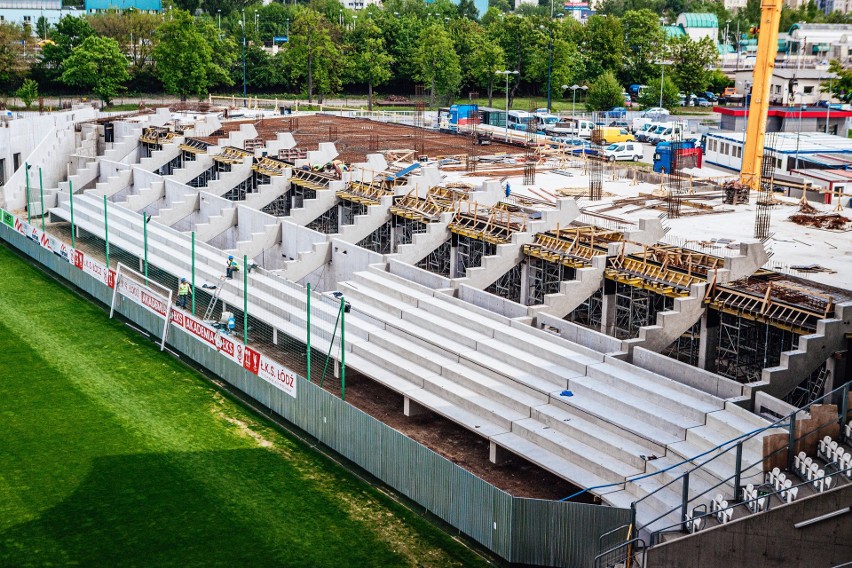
[(699, 20)]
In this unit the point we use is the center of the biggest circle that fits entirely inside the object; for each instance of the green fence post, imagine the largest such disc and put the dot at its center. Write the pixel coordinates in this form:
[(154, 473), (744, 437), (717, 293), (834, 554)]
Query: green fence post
[(308, 342), (41, 197), (106, 231), (71, 202), (193, 273), (145, 243), (342, 348), (27, 174), (245, 299)]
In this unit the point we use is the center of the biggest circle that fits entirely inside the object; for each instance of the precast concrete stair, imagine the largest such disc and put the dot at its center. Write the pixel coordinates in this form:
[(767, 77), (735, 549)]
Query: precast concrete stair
[(572, 293), (193, 169), (160, 158), (422, 244), (85, 178), (306, 262), (126, 148), (364, 225), (121, 180), (313, 208), (265, 194), (494, 266), (145, 196), (216, 224), (671, 324), (229, 180), (180, 201), (258, 241)]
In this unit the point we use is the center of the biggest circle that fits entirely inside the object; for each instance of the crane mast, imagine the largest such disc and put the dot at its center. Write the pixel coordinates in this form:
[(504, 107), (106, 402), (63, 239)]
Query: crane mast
[(767, 49)]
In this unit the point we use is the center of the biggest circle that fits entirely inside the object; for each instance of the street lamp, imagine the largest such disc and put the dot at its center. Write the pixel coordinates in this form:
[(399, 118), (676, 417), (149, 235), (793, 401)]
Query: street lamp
[(549, 65), (219, 17), (243, 26), (288, 29), (574, 96), (662, 80), (727, 25), (255, 22), (507, 73)]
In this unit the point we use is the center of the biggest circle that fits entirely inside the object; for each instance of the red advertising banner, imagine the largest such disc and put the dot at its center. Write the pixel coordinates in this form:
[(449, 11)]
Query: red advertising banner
[(77, 258), (98, 271)]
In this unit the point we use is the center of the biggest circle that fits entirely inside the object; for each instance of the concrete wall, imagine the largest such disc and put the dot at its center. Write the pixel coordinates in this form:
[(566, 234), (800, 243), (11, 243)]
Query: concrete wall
[(346, 259), (491, 302), (768, 540), (579, 334), (418, 275), (35, 139), (700, 379)]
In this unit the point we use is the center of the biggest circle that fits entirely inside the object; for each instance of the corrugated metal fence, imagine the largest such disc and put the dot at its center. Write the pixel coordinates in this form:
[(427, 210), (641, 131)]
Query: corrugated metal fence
[(527, 531)]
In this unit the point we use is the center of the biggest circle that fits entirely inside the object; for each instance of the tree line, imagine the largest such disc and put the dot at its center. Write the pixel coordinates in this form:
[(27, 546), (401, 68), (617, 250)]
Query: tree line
[(330, 50)]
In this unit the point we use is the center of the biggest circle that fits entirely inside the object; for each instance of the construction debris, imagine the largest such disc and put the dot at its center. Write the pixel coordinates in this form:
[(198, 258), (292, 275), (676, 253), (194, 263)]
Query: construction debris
[(831, 221), (735, 193)]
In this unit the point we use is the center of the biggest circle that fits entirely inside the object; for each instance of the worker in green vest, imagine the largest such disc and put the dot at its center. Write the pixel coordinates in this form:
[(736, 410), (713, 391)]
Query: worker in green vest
[(183, 293)]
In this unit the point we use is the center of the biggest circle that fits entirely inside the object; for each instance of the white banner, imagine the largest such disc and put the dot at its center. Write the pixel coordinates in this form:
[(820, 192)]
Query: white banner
[(277, 375)]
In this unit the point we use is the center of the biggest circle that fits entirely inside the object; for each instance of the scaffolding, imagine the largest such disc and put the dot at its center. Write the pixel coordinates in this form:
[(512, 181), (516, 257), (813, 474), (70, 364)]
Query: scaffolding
[(664, 269), (635, 308), (349, 210), (686, 347), (379, 241), (590, 312), (438, 261), (545, 277), (194, 146), (811, 388), (766, 197), (508, 285), (675, 179), (327, 223), (495, 224), (747, 346), (280, 206), (270, 167)]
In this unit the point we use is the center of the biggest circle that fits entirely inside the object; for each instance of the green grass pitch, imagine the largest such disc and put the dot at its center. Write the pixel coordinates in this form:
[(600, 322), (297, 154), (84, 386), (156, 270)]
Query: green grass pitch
[(113, 454)]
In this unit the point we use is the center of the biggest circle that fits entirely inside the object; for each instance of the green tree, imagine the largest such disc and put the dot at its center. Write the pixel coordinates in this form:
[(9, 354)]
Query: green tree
[(69, 32), (717, 80), (42, 27), (643, 45), (603, 45), (28, 92), (691, 61), (437, 62), (567, 63), (316, 61), (486, 59), (467, 9), (13, 61), (841, 85), (651, 95), (99, 65), (134, 31), (517, 37), (605, 93), (368, 59), (186, 62)]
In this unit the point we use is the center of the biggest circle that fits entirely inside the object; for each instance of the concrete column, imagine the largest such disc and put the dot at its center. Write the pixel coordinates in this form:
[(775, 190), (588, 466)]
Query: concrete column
[(709, 340), (411, 408), (453, 254), (496, 454), (525, 283), (608, 307), (274, 336)]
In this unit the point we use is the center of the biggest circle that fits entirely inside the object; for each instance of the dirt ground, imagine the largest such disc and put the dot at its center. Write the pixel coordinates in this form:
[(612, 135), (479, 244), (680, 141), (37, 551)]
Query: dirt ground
[(354, 138)]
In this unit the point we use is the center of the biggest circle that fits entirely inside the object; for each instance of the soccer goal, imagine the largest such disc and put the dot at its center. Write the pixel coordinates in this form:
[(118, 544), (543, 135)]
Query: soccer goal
[(143, 291)]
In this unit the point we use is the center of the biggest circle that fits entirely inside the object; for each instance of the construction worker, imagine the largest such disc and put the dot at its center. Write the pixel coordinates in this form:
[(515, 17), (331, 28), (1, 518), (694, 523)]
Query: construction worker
[(183, 293), (231, 268)]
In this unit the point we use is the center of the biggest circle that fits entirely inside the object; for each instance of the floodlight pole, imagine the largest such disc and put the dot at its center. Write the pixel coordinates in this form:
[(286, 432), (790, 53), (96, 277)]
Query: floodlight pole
[(245, 299), (308, 341), (106, 232), (145, 244), (71, 202), (27, 173), (192, 275), (342, 348), (41, 197)]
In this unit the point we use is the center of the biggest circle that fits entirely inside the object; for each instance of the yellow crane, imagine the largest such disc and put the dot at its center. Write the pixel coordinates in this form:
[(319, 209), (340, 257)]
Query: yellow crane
[(767, 49)]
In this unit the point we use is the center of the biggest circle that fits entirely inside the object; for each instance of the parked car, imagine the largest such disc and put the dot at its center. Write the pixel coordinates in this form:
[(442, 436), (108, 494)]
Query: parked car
[(620, 124), (655, 111), (625, 151), (702, 102), (609, 135), (576, 146), (616, 112), (709, 96)]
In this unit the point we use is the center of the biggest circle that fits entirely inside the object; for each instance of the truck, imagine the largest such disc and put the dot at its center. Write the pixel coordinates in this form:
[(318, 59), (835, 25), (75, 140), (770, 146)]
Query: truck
[(450, 119), (689, 155), (635, 91), (570, 126)]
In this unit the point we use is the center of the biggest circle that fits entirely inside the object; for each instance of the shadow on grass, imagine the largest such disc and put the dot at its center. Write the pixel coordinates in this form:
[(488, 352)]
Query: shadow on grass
[(144, 510)]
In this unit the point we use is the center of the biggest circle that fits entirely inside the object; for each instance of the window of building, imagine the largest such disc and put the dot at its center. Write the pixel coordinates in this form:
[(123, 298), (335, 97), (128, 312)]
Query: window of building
[(2, 171), (16, 162), (28, 19), (778, 163)]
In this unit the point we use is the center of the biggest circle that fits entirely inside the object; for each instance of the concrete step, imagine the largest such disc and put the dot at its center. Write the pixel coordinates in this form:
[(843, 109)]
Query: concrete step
[(587, 457), (681, 399), (547, 460), (477, 404), (504, 390), (619, 445), (624, 403), (521, 375), (601, 410)]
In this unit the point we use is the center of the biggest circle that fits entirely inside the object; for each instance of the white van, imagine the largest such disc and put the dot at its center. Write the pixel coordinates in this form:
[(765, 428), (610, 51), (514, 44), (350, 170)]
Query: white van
[(519, 119), (623, 151), (572, 127), (543, 120), (667, 135)]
